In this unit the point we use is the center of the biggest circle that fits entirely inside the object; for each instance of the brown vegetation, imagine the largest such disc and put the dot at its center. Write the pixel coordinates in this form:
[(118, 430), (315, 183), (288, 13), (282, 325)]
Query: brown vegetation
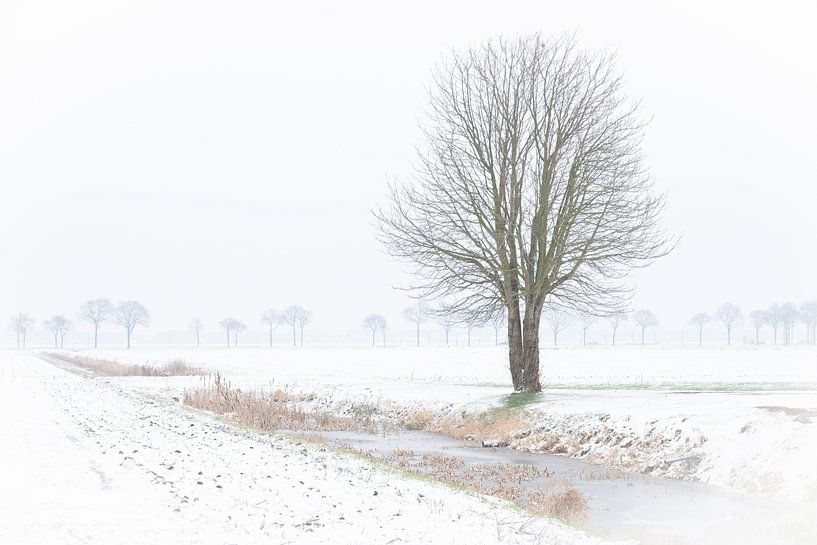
[(270, 411), (110, 368)]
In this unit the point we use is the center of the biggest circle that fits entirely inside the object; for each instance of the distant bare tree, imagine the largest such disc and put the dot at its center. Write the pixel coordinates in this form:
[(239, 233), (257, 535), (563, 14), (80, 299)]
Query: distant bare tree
[(417, 315), (530, 186), (59, 326), (374, 322), (498, 320), (238, 327), (759, 318), (558, 320), (773, 315), (471, 324), (130, 314), (616, 319), (96, 311), (228, 325), (21, 324), (644, 318), (788, 319), (586, 320), (729, 315), (808, 312), (700, 320), (297, 317), (196, 326), (272, 319), (447, 320)]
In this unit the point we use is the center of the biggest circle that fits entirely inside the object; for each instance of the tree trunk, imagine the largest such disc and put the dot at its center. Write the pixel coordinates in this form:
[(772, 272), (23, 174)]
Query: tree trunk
[(270, 337), (24, 339), (418, 334), (198, 340), (96, 333), (496, 336), (469, 336), (374, 331), (700, 336), (294, 338), (228, 338), (530, 351), (302, 335), (614, 335), (128, 330), (728, 335), (56, 344), (515, 348), (642, 334)]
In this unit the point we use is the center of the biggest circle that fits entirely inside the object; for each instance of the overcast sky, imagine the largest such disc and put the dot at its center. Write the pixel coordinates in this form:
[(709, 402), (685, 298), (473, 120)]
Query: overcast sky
[(217, 158)]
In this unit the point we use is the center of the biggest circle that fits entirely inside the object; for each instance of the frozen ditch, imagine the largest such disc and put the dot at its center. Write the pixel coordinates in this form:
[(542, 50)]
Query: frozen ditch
[(620, 505)]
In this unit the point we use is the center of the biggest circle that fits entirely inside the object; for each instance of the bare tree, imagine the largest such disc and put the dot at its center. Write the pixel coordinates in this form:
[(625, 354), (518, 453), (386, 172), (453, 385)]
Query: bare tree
[(96, 311), (470, 325), (130, 314), (644, 318), (808, 312), (297, 317), (586, 319), (558, 320), (773, 315), (229, 325), (530, 187), (416, 314), (498, 320), (59, 326), (729, 315), (374, 322), (759, 318), (21, 324), (238, 327), (616, 318), (272, 319), (196, 326), (700, 320), (788, 319)]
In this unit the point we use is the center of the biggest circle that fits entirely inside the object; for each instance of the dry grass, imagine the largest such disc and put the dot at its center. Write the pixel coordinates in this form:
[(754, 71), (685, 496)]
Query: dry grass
[(270, 411), (501, 426), (564, 503), (109, 368)]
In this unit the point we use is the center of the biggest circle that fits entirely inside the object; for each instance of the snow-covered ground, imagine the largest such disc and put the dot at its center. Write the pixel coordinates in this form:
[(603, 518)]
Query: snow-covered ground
[(89, 460), (747, 416)]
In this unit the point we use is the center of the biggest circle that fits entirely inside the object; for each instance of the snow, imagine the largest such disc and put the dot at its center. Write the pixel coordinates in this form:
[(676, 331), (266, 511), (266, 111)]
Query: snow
[(630, 406), (94, 460)]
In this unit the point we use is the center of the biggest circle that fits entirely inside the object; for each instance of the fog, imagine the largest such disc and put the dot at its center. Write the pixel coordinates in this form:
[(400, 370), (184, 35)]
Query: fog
[(215, 159)]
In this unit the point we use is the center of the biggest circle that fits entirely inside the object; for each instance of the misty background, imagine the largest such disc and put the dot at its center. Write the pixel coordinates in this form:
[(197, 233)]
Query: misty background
[(215, 159)]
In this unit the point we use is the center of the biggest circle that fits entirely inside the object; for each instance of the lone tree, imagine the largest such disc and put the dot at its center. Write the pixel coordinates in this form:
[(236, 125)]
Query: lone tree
[(759, 318), (644, 318), (498, 320), (417, 315), (59, 326), (729, 315), (196, 326), (297, 317), (788, 318), (700, 320), (272, 320), (616, 318), (558, 320), (808, 312), (587, 320), (130, 314), (530, 187), (96, 311), (229, 325), (374, 322), (20, 324)]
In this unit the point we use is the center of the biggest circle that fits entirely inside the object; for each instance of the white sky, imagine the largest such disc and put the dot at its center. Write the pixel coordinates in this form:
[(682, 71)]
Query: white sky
[(216, 158)]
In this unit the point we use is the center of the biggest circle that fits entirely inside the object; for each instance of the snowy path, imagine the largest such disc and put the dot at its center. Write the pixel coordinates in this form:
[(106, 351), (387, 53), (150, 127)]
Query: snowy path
[(83, 461)]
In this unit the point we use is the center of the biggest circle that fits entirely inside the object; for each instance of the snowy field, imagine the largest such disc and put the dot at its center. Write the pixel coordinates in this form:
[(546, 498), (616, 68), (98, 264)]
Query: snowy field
[(84, 460), (747, 417)]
